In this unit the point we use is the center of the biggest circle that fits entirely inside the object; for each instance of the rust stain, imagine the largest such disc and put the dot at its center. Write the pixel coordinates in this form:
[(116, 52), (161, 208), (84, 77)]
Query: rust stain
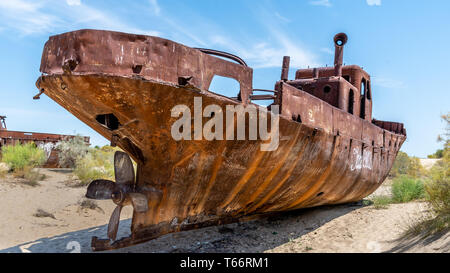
[(210, 184), (272, 174), (281, 183), (320, 181), (248, 174)]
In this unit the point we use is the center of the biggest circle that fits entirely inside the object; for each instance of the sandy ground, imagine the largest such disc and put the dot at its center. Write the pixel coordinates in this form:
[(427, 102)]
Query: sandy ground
[(427, 163), (342, 228)]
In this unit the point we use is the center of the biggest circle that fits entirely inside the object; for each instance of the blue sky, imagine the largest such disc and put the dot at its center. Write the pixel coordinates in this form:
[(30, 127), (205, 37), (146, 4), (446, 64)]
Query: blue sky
[(403, 44)]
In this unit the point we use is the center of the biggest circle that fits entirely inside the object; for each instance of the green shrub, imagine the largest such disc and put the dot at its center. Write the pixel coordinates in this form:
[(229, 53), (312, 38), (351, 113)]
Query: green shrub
[(96, 164), (438, 154), (415, 168), (401, 164), (381, 201), (31, 176), (405, 189), (70, 150), (405, 165), (23, 157), (437, 190)]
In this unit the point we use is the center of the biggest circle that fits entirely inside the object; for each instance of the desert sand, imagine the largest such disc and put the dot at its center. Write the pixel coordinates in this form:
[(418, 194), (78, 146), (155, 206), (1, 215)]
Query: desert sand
[(68, 227), (427, 163)]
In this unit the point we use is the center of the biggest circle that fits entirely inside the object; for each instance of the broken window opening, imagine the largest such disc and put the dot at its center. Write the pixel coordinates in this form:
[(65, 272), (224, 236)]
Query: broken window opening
[(110, 121), (351, 101), (362, 88), (369, 92), (297, 118), (363, 108), (363, 98), (225, 86)]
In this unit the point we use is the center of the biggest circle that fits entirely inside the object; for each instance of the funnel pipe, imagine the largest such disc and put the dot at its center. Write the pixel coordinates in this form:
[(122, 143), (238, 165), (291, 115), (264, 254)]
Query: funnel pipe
[(340, 40)]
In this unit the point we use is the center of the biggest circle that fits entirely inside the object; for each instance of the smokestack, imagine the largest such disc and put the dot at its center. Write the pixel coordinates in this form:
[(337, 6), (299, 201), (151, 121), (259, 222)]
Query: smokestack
[(340, 40), (285, 68)]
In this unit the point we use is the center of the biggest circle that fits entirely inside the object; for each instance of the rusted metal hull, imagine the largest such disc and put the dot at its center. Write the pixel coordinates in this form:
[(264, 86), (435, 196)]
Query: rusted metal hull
[(198, 181), (331, 159)]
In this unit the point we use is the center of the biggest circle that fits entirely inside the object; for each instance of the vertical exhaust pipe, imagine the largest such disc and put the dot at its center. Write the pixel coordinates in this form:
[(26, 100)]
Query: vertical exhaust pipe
[(285, 68), (340, 40)]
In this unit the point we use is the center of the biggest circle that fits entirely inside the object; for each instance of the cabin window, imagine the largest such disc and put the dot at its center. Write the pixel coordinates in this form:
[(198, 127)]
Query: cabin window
[(326, 89), (363, 99), (351, 101), (224, 86), (363, 108), (363, 87), (369, 91)]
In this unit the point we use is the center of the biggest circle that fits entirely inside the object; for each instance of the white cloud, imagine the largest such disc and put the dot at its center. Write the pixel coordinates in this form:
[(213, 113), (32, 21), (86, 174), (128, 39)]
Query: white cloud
[(388, 83), (19, 5), (155, 6), (325, 3), (73, 2), (263, 54), (184, 31), (282, 18), (327, 50), (26, 17), (267, 48), (263, 50), (373, 2), (102, 20), (47, 16), (257, 55)]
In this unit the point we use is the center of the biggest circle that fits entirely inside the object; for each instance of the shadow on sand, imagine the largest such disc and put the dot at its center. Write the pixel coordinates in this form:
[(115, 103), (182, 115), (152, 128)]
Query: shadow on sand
[(60, 170), (407, 243), (76, 241), (252, 236)]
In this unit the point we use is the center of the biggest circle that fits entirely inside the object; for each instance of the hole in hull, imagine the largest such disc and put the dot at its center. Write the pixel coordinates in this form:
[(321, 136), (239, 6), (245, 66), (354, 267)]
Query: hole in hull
[(108, 120)]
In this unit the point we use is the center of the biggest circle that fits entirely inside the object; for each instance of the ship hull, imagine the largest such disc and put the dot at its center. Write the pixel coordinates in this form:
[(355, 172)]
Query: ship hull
[(125, 86), (194, 183)]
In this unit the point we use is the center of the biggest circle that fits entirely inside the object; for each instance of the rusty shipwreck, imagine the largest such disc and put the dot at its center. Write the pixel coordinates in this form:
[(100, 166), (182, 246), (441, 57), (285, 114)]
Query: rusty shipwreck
[(45, 141), (124, 86)]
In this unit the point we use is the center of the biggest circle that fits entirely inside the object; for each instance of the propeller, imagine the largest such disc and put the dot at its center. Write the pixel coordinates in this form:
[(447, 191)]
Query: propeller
[(122, 192)]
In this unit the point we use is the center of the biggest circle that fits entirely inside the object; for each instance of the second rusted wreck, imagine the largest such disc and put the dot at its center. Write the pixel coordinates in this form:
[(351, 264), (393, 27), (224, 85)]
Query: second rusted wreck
[(45, 141), (126, 86)]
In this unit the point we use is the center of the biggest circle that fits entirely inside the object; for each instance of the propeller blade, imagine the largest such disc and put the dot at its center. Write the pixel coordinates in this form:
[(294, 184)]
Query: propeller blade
[(100, 189), (139, 201), (113, 225), (123, 168)]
